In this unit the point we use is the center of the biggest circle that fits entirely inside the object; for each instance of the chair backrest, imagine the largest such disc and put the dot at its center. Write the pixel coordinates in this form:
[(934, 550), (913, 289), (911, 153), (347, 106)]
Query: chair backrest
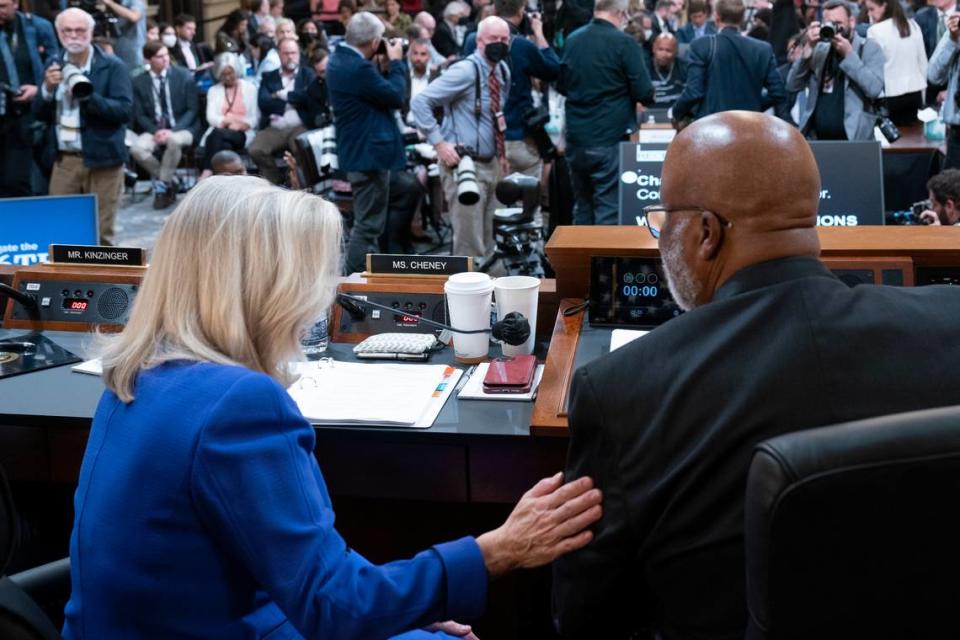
[(854, 530), (20, 617)]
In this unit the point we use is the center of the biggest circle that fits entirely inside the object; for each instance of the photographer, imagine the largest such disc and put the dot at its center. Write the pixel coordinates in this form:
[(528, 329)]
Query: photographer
[(87, 129), (468, 131), (27, 43), (528, 59), (369, 144), (944, 191), (944, 69), (843, 78)]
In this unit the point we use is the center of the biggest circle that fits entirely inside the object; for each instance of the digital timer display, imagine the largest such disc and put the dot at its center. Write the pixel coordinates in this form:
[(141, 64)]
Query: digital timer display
[(76, 304), (629, 292)]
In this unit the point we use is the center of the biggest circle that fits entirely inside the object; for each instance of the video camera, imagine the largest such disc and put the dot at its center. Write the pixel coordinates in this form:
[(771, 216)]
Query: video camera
[(105, 22), (534, 123)]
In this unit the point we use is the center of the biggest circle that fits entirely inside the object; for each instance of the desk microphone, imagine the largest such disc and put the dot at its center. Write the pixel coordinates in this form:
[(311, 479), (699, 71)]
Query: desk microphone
[(25, 301), (514, 329)]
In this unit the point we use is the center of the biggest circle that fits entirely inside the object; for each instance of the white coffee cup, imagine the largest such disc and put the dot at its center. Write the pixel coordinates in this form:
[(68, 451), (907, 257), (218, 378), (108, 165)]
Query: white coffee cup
[(469, 295), (520, 294)]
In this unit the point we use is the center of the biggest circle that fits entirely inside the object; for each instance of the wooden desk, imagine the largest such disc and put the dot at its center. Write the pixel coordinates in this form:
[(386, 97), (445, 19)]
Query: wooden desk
[(550, 410), (912, 140)]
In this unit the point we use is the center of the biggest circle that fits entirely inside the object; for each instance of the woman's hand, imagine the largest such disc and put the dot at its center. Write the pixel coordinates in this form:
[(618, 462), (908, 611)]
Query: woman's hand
[(453, 628), (550, 520)]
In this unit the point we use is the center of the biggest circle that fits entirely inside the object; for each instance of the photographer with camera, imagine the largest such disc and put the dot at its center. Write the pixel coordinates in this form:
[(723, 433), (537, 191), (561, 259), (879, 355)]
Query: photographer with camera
[(88, 100), (944, 68), (944, 204), (527, 142), (843, 74), (470, 144), (125, 21), (27, 43), (364, 97)]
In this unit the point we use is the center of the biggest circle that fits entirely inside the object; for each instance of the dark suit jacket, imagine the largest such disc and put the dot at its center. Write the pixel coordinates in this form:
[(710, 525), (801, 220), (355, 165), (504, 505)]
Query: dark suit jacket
[(742, 75), (444, 41), (927, 20), (686, 33), (199, 54), (299, 98), (183, 101), (103, 117), (363, 102), (666, 426)]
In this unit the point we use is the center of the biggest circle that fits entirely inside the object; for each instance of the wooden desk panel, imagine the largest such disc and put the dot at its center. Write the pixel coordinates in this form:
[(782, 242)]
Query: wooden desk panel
[(550, 411), (570, 248)]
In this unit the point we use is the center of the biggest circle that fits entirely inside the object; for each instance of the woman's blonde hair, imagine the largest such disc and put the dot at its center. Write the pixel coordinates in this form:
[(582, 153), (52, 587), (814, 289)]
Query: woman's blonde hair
[(240, 270)]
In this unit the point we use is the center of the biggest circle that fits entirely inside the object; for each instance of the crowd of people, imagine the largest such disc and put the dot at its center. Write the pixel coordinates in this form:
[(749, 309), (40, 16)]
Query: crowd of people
[(470, 80)]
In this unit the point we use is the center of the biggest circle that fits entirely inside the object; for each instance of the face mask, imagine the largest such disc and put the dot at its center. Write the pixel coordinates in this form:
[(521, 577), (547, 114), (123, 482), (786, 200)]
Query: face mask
[(169, 40), (496, 51), (647, 34)]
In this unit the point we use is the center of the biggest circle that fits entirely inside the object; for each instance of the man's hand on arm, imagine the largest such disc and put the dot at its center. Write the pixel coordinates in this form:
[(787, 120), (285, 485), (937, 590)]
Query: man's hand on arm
[(27, 93), (550, 520), (448, 154)]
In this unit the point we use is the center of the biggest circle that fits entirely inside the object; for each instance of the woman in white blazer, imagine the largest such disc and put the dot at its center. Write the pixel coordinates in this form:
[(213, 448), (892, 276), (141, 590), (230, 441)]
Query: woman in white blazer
[(905, 66), (232, 110)]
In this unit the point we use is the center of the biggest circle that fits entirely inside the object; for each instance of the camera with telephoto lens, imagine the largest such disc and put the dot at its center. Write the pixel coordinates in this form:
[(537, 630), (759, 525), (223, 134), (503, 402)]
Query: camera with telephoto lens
[(77, 84), (885, 124), (105, 22), (829, 30), (382, 48), (534, 123), (468, 191)]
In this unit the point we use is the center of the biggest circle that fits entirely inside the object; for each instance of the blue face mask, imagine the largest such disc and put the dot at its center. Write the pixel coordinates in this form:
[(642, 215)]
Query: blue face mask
[(496, 51)]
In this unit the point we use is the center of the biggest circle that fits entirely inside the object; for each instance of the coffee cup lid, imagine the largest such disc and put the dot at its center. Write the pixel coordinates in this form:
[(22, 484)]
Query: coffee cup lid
[(468, 282)]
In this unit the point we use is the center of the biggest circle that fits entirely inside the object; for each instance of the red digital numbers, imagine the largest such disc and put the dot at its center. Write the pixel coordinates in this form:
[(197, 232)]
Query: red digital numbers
[(78, 305)]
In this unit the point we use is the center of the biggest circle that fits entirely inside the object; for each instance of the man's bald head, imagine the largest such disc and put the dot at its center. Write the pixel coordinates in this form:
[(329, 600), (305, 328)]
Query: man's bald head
[(664, 49), (745, 189), (426, 21)]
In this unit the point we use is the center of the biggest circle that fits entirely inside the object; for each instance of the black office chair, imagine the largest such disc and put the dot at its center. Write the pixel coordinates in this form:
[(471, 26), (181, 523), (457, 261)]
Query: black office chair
[(21, 618), (853, 531)]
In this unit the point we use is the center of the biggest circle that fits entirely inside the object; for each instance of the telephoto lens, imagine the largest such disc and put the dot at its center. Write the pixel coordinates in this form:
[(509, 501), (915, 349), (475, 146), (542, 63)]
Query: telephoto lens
[(468, 191)]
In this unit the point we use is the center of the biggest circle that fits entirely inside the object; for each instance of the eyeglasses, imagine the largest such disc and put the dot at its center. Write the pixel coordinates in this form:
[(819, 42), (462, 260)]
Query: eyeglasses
[(657, 215), (79, 31)]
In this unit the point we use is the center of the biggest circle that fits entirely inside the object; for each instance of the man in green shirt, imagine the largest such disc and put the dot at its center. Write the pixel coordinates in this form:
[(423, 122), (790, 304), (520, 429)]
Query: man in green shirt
[(604, 76)]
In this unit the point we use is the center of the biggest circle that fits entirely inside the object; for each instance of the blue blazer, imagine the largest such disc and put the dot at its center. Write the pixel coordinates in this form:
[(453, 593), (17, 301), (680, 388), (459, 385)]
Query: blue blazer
[(742, 75), (201, 512), (363, 102), (41, 43), (927, 19), (686, 34), (103, 117), (271, 83)]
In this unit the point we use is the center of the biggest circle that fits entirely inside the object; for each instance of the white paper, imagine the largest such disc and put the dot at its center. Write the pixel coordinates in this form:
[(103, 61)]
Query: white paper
[(374, 394), (91, 367), (620, 337), (473, 389)]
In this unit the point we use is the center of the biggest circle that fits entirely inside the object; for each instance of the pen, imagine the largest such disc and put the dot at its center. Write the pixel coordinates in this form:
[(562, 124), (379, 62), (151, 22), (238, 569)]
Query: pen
[(465, 378)]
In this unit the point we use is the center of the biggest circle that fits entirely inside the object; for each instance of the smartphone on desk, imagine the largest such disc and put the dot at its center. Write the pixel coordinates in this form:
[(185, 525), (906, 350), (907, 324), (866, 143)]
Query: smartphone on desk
[(510, 374)]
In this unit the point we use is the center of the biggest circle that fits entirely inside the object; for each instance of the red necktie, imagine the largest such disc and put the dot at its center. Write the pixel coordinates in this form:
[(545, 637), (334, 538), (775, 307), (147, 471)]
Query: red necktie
[(494, 84)]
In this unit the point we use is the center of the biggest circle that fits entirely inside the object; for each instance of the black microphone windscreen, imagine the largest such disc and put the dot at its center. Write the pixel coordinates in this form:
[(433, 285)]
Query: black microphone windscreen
[(514, 329)]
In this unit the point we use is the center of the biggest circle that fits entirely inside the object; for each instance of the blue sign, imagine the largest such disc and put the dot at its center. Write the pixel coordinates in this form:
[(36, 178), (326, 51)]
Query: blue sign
[(28, 226)]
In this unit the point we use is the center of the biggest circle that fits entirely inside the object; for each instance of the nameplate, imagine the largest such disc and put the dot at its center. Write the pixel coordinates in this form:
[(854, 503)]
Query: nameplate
[(414, 265), (106, 256)]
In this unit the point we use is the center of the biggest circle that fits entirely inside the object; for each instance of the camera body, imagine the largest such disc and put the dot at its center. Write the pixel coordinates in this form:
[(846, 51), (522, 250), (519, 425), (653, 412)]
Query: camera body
[(829, 30), (885, 124), (6, 95), (382, 48), (468, 191), (534, 123)]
